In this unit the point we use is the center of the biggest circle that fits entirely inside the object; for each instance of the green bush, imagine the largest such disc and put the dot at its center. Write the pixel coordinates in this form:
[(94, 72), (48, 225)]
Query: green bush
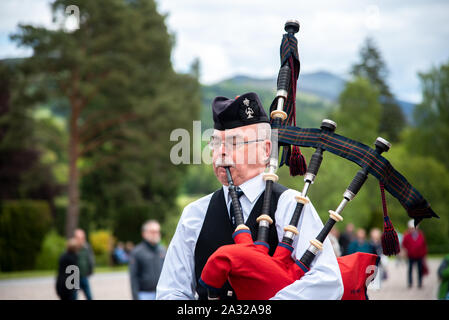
[(23, 225), (52, 248)]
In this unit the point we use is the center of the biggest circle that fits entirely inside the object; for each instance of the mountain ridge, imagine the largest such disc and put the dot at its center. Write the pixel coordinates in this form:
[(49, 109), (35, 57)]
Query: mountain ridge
[(321, 85)]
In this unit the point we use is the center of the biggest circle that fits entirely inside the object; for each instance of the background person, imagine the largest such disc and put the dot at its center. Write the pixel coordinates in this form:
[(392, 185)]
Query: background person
[(376, 242), (145, 263), (360, 244), (415, 244), (346, 238), (443, 276), (119, 255), (86, 263), (68, 258)]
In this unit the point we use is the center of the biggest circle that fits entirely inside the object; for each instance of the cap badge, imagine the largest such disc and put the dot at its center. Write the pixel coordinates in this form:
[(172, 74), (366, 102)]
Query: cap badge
[(249, 111)]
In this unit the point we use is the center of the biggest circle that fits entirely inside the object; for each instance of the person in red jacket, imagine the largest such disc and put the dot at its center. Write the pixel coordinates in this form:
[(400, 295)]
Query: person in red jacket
[(414, 243)]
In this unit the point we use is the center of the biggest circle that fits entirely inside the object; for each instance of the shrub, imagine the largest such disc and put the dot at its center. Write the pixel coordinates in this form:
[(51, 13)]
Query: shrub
[(101, 241), (52, 248), (23, 225)]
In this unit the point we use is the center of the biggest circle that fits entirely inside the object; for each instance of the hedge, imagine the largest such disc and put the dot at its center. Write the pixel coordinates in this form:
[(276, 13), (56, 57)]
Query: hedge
[(23, 226)]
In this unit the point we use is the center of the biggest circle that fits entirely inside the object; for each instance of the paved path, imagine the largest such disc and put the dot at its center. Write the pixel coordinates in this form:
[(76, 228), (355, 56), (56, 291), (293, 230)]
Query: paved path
[(104, 286), (115, 286), (395, 286)]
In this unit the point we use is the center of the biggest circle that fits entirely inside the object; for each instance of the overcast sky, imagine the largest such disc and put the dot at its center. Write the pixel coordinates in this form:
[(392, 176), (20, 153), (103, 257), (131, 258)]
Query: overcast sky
[(243, 36)]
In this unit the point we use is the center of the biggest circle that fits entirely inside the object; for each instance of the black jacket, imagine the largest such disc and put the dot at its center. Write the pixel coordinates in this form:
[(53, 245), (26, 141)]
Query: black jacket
[(66, 259), (145, 265)]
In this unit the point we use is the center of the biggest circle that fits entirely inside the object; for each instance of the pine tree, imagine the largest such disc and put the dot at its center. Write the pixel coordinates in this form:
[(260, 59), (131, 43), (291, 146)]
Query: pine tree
[(373, 67), (113, 79)]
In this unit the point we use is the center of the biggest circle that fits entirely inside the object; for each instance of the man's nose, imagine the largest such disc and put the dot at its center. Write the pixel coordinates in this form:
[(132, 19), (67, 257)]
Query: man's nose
[(223, 150)]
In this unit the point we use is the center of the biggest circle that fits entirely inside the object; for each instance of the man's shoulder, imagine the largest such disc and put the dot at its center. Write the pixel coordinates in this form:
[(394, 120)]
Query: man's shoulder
[(139, 248), (194, 213), (288, 193)]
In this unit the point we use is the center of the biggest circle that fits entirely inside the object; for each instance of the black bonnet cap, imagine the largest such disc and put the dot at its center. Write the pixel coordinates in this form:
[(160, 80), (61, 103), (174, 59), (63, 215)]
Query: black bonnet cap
[(241, 111)]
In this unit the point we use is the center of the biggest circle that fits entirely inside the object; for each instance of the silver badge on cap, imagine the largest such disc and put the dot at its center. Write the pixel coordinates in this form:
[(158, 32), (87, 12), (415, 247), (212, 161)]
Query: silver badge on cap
[(249, 111)]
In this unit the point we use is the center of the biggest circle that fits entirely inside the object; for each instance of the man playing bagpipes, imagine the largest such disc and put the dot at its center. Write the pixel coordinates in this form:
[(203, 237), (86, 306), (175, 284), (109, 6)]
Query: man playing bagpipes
[(255, 235), (241, 140)]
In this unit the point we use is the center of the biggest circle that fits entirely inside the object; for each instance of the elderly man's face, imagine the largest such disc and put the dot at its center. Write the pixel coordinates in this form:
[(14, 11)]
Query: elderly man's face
[(80, 235), (246, 149), (152, 233)]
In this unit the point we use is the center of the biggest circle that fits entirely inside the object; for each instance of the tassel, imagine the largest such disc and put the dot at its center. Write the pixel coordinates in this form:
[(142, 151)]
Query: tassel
[(297, 163), (390, 241)]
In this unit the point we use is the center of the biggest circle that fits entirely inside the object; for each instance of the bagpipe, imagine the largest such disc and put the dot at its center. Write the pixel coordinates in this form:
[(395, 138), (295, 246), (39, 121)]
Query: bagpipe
[(251, 271)]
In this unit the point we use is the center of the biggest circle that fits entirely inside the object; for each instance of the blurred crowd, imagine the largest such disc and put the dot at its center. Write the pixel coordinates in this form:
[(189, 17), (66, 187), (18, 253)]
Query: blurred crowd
[(413, 250), (144, 262)]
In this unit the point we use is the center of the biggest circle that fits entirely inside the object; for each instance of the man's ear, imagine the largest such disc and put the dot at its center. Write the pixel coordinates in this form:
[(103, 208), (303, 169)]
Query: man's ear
[(267, 150)]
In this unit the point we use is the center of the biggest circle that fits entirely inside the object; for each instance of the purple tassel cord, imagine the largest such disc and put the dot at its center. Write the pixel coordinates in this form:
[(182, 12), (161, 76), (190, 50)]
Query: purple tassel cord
[(390, 241)]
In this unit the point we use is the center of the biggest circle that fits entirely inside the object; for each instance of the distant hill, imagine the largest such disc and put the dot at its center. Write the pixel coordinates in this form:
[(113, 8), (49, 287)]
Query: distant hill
[(311, 107), (317, 95), (322, 84)]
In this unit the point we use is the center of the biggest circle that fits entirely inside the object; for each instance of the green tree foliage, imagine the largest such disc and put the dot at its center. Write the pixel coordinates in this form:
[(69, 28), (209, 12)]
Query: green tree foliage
[(431, 179), (373, 68), (430, 137), (200, 179), (112, 78), (359, 111), (23, 173), (357, 116)]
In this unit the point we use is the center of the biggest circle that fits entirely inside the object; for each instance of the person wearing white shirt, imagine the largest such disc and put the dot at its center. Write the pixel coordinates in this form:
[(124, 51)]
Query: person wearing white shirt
[(242, 131)]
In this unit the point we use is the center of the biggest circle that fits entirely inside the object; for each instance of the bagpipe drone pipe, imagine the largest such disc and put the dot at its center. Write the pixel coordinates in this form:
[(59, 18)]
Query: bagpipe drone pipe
[(251, 271)]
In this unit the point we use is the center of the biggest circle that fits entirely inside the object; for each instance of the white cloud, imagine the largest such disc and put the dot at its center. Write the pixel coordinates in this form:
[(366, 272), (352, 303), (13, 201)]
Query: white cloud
[(243, 37), (411, 35), (12, 13)]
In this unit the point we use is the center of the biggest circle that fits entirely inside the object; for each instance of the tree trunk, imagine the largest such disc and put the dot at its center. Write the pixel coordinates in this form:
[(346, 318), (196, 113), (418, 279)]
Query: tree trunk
[(73, 184)]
